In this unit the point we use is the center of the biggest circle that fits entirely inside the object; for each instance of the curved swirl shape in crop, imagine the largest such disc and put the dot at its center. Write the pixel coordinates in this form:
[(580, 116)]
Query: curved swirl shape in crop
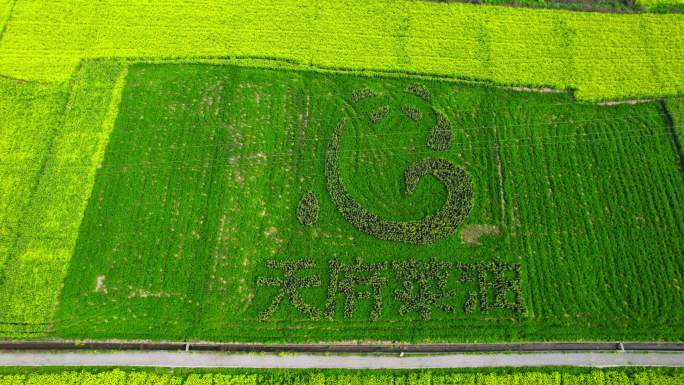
[(434, 227)]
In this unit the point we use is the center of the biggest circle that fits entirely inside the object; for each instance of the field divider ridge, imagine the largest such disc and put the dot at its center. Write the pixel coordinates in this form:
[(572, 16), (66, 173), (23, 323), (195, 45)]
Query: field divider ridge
[(341, 348)]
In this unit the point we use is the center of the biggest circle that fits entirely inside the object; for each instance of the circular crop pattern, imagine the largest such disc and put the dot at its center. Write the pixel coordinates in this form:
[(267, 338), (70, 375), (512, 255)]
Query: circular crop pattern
[(433, 227)]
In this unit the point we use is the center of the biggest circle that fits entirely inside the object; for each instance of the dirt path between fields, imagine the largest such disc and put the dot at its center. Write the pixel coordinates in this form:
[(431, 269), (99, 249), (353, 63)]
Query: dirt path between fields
[(227, 360)]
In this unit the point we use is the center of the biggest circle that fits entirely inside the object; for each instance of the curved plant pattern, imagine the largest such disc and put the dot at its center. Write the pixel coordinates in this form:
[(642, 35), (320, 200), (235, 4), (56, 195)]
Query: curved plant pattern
[(379, 114), (434, 227), (307, 209), (412, 112), (439, 138), (420, 91)]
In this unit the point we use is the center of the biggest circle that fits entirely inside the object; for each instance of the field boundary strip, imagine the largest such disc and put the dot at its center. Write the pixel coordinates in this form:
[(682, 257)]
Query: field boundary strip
[(290, 64), (614, 7), (341, 348), (6, 18), (668, 117)]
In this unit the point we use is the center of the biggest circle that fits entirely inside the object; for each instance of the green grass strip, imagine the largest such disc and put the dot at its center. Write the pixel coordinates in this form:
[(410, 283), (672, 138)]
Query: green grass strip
[(550, 376)]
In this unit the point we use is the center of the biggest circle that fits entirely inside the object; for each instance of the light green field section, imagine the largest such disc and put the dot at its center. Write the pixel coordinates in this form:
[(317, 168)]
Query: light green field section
[(603, 56), (52, 138), (30, 117), (29, 112)]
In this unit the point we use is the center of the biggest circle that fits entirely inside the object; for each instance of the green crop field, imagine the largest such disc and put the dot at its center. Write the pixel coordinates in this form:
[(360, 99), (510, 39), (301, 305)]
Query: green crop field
[(538, 218), (546, 376), (387, 170)]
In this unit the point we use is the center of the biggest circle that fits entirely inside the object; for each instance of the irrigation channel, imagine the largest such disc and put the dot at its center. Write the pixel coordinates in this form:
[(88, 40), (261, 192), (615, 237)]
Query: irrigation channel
[(390, 356)]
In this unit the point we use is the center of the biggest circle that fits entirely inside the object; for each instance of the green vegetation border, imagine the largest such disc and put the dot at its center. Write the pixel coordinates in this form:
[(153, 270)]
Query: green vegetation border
[(488, 376)]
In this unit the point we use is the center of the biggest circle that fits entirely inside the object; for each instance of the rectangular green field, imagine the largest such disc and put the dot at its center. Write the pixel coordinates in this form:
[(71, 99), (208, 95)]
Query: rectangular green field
[(432, 211)]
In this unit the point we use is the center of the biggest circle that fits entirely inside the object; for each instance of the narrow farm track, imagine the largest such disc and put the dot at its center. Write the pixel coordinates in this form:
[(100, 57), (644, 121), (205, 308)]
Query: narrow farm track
[(301, 361)]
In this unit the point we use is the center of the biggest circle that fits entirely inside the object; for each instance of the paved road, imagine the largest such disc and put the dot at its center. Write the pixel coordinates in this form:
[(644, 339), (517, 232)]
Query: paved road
[(212, 359)]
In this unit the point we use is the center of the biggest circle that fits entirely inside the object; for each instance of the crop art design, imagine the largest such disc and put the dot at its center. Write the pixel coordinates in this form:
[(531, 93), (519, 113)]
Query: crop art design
[(269, 205), (434, 227), (411, 286), (421, 288)]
